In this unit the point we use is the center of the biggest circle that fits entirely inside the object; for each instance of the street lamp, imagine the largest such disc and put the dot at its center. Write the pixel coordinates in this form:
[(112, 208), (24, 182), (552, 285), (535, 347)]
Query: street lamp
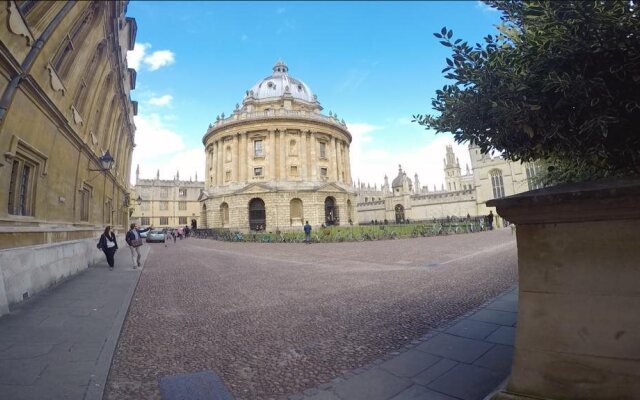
[(139, 200), (106, 162)]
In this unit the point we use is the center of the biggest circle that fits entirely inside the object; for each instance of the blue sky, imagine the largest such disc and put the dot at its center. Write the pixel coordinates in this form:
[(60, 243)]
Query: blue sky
[(375, 64)]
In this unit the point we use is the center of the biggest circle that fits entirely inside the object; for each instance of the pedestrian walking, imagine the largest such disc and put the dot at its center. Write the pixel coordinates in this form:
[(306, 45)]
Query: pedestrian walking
[(135, 242), (307, 233), (490, 220), (173, 234), (167, 237), (108, 245), (481, 224)]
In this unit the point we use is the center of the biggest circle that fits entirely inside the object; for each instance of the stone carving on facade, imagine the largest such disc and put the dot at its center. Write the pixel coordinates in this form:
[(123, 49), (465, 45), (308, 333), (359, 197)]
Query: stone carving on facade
[(56, 82), (17, 24), (77, 118)]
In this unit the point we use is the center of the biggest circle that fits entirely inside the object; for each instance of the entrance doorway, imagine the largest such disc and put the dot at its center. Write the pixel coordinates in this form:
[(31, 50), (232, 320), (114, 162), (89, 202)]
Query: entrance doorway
[(399, 214), (257, 215), (331, 216)]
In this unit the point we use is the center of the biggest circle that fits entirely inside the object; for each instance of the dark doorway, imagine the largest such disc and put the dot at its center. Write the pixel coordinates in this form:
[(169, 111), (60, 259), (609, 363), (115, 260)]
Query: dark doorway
[(331, 216), (194, 224), (399, 214), (257, 215)]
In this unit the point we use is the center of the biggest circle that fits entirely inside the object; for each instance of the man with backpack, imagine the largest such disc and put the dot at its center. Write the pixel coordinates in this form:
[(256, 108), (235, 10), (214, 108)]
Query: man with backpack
[(135, 242)]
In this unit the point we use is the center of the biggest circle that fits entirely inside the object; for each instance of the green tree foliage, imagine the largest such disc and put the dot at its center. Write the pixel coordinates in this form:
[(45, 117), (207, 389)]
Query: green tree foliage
[(559, 82)]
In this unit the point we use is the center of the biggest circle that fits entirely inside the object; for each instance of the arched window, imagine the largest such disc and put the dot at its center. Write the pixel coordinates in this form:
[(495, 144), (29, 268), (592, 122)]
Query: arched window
[(497, 183), (72, 42), (295, 209), (224, 214), (257, 215), (399, 213), (88, 77), (331, 216)]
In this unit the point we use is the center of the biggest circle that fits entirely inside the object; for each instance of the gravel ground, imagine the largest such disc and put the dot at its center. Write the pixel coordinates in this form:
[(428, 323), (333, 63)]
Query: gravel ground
[(275, 319)]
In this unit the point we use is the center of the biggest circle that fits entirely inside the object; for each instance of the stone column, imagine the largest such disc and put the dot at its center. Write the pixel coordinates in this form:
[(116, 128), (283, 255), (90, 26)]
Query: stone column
[(303, 157), (312, 156), (339, 160), (272, 156), (220, 168), (283, 156), (243, 160), (333, 159), (577, 333), (347, 163), (235, 148)]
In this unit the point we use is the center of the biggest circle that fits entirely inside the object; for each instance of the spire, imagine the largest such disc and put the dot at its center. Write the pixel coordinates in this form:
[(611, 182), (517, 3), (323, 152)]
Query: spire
[(137, 173), (280, 68), (196, 176), (177, 175), (158, 174)]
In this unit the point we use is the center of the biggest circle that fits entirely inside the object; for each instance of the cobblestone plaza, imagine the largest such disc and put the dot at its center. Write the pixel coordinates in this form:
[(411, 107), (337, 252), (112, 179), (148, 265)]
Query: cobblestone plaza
[(275, 319)]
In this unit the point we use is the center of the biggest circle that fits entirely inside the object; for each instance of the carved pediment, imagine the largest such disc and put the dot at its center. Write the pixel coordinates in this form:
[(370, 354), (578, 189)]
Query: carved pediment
[(331, 187), (204, 195), (254, 188)]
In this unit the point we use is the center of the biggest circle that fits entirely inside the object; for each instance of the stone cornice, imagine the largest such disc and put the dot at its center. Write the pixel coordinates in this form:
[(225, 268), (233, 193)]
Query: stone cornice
[(610, 199)]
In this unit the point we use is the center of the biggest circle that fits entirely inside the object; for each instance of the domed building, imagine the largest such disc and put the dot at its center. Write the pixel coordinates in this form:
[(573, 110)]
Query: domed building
[(277, 161)]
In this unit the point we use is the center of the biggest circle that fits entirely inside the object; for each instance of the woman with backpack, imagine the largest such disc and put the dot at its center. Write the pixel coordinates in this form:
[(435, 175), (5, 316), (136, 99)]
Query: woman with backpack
[(108, 245)]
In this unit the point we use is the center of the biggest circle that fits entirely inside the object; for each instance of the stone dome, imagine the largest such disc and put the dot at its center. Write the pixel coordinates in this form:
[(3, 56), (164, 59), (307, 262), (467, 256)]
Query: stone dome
[(280, 84), (399, 180)]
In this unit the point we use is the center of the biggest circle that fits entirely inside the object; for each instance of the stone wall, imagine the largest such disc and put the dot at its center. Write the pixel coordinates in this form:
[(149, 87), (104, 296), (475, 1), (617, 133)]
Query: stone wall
[(26, 271)]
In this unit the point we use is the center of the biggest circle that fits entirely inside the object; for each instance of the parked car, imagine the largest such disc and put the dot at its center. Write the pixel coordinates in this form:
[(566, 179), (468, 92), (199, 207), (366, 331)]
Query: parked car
[(155, 235)]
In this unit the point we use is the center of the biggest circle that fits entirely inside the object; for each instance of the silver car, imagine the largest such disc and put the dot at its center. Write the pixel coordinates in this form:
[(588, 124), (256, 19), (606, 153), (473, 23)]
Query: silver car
[(155, 235)]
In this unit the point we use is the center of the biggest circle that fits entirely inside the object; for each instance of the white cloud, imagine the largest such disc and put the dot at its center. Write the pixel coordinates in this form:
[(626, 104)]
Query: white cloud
[(160, 148), (371, 159), (135, 56), (156, 60), (161, 101), (159, 59)]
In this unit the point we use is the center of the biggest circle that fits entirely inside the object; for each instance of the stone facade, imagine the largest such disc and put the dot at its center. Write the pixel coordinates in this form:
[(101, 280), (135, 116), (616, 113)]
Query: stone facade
[(277, 161), (460, 195), (64, 105), (166, 203)]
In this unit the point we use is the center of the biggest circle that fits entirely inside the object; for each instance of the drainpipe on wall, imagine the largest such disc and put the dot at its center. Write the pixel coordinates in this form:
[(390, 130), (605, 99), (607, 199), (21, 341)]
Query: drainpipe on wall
[(10, 91)]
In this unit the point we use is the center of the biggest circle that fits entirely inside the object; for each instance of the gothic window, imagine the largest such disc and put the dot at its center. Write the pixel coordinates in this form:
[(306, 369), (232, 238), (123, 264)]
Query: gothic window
[(182, 220), (399, 209), (85, 196), (531, 170), (497, 183), (258, 149), (145, 221), (164, 220), (182, 192), (182, 205), (164, 193), (100, 105), (87, 79), (164, 205), (72, 42), (22, 187)]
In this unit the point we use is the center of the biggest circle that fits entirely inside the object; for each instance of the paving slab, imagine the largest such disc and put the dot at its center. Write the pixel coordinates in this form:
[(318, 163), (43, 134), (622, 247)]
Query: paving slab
[(417, 392), (499, 359), (430, 374), (410, 363), (375, 384), (59, 344), (503, 305), (455, 348), (496, 317), (504, 335), (472, 329), (467, 382)]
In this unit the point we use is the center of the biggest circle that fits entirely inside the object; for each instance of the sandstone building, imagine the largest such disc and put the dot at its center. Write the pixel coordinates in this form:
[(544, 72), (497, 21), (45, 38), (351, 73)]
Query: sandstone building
[(166, 203), (462, 194), (66, 137), (277, 161)]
